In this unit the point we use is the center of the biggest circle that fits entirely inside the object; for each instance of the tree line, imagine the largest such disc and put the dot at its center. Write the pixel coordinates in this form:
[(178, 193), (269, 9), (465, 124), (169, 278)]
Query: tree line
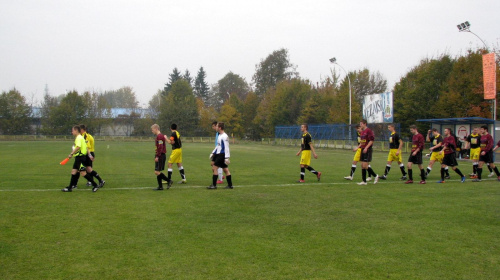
[(438, 87)]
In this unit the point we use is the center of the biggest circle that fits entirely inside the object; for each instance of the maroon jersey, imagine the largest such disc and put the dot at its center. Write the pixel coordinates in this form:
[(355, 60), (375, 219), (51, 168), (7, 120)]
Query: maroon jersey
[(160, 145), (365, 137), (449, 145), (486, 143), (498, 144), (417, 142)]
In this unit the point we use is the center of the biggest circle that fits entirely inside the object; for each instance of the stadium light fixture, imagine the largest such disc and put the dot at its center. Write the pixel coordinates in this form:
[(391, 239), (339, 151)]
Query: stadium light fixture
[(333, 60), (465, 27)]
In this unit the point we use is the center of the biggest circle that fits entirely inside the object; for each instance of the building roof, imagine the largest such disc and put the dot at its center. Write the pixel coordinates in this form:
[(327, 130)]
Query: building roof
[(472, 120), (36, 112), (116, 112)]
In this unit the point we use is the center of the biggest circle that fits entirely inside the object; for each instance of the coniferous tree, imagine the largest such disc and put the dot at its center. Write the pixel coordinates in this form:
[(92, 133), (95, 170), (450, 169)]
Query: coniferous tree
[(201, 89), (188, 78), (174, 77), (180, 107)]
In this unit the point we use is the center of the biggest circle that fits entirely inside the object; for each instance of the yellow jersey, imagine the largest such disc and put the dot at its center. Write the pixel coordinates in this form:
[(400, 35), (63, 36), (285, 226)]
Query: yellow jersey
[(89, 140), (80, 142)]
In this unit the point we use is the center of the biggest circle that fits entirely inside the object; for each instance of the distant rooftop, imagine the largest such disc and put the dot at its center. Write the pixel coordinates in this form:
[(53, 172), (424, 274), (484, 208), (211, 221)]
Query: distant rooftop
[(471, 120), (115, 112)]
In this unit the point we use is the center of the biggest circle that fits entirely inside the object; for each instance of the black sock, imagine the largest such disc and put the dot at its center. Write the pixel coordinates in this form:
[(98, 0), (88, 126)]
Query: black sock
[(410, 174), (489, 168), (479, 172), (496, 171), (428, 171), (442, 174), (363, 175), (312, 170), (229, 181), (422, 174), (94, 174), (459, 172), (164, 177), (183, 176), (447, 172), (403, 170), (91, 180), (387, 169), (214, 180), (77, 177), (353, 169), (302, 173), (474, 168), (158, 179), (371, 172), (74, 180), (169, 174)]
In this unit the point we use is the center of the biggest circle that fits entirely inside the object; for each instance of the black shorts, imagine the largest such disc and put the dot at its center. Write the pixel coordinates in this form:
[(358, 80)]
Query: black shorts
[(415, 159), (487, 158), (160, 165), (366, 157), (79, 160), (220, 160), (88, 161), (450, 160)]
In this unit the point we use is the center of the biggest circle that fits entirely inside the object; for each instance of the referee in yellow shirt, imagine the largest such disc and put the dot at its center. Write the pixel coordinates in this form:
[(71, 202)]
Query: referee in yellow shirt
[(79, 152), (90, 157)]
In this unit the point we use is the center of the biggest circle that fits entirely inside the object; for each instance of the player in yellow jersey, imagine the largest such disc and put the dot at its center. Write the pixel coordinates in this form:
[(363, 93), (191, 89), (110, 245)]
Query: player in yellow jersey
[(474, 146), (89, 140), (306, 148), (395, 146), (436, 141), (176, 155)]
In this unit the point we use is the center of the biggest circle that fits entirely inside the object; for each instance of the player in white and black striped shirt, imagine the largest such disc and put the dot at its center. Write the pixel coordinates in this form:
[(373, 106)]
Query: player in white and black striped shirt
[(220, 158)]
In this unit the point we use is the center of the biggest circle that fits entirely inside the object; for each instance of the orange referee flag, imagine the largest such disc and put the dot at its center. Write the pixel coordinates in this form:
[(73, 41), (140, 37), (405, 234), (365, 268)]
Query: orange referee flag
[(64, 161)]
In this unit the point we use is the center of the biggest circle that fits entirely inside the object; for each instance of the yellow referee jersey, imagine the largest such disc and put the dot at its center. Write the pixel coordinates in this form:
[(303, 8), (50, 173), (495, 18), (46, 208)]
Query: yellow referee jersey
[(90, 141)]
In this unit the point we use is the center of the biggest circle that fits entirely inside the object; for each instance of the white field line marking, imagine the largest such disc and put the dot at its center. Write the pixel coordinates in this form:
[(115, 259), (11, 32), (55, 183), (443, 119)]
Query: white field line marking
[(179, 186)]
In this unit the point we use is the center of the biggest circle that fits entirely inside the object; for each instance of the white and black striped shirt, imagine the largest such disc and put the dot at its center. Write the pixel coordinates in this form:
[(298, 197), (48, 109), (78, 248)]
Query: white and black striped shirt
[(222, 145)]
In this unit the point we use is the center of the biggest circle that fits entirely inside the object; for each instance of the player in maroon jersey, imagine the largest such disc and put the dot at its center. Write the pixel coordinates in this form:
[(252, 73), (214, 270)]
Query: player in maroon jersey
[(417, 147), (366, 145), (497, 146), (449, 159), (160, 157), (486, 155)]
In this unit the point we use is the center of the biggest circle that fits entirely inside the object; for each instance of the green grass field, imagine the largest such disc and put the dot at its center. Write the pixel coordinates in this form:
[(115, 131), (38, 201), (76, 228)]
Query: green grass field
[(268, 227)]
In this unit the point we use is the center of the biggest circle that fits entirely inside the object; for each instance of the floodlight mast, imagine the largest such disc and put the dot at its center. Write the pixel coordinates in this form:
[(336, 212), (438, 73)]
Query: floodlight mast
[(333, 60), (465, 27)]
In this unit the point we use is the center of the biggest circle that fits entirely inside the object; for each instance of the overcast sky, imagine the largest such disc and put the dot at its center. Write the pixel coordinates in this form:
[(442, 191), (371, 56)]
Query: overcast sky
[(104, 45)]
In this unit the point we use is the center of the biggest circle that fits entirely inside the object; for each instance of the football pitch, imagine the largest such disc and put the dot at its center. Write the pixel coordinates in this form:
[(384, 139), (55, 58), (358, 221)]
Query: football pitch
[(267, 227)]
